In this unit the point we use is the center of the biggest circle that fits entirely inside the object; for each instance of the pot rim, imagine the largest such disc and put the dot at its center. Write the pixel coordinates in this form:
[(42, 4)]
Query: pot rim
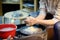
[(36, 33)]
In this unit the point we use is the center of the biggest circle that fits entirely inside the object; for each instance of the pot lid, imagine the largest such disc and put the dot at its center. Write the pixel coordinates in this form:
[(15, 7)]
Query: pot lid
[(17, 14)]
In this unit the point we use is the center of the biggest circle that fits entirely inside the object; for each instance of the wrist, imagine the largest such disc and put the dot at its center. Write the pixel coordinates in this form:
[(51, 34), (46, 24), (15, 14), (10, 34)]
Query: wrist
[(37, 21)]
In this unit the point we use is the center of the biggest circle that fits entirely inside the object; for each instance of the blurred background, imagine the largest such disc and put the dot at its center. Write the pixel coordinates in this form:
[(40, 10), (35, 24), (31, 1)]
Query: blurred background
[(13, 5)]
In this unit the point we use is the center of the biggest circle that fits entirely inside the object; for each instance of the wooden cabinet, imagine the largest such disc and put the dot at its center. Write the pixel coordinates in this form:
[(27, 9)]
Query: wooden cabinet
[(50, 32), (35, 5), (0, 7), (13, 6)]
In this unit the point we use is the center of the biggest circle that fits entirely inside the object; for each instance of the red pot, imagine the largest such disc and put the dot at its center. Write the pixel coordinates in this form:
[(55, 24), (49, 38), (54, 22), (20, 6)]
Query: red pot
[(6, 34)]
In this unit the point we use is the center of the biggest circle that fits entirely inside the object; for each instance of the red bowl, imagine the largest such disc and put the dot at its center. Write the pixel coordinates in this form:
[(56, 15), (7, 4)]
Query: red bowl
[(6, 34)]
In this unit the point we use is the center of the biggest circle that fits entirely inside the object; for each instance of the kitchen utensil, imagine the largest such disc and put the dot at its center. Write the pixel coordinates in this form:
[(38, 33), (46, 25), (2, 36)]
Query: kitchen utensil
[(29, 30), (7, 30), (16, 17)]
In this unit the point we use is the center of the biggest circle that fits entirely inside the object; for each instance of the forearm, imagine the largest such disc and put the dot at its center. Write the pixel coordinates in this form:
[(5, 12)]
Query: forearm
[(42, 13), (46, 22)]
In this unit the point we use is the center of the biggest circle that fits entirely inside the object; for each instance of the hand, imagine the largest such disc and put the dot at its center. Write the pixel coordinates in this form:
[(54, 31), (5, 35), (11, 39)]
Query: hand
[(31, 21)]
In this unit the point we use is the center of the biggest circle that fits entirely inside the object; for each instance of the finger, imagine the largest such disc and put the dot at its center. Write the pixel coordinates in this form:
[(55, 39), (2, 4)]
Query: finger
[(29, 23), (31, 17), (26, 21)]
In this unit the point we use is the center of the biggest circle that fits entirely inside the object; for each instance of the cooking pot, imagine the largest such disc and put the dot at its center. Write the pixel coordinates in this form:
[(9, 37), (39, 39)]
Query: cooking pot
[(26, 33), (16, 17), (7, 30), (29, 30)]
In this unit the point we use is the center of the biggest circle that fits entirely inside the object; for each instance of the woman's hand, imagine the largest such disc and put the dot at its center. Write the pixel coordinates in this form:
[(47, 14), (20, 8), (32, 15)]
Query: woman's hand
[(30, 21)]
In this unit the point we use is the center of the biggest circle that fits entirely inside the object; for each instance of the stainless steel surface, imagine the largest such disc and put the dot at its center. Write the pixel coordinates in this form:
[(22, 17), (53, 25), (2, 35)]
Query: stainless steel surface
[(16, 17), (30, 30), (1, 20)]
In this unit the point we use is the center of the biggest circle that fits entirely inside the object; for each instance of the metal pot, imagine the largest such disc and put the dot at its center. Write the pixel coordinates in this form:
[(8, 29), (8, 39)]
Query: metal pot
[(26, 34), (35, 29), (16, 17)]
